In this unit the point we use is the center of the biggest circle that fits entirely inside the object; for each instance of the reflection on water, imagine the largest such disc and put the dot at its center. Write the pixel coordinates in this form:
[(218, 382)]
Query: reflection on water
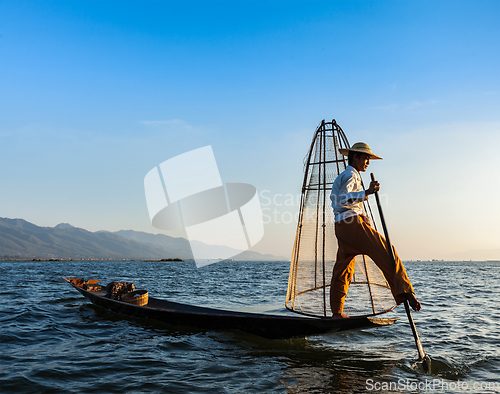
[(54, 340), (333, 371)]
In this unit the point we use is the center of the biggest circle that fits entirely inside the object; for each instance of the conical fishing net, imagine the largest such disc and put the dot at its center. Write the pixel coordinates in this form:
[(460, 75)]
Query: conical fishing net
[(315, 246)]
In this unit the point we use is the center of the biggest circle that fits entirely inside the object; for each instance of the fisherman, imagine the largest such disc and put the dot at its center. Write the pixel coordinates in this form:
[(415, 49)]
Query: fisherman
[(356, 236)]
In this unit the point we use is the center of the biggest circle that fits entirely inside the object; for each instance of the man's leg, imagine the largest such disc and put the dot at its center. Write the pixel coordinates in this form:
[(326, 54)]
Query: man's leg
[(343, 271), (372, 244), (397, 278)]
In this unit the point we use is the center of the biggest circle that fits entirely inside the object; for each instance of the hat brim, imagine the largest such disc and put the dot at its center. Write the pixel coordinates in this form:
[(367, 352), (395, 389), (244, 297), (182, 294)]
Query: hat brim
[(371, 155)]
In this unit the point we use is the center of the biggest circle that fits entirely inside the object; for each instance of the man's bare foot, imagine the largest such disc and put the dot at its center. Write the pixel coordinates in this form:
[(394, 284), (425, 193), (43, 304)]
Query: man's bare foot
[(339, 316), (415, 305)]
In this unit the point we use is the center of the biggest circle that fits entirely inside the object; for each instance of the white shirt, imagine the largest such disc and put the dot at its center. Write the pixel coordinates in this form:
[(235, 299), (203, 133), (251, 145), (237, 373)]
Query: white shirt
[(347, 194)]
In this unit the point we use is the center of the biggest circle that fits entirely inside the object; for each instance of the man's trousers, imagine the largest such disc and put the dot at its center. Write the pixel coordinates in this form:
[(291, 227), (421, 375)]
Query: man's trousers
[(355, 236)]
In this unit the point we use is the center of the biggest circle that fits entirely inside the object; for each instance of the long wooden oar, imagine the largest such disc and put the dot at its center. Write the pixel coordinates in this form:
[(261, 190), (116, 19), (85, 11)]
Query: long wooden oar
[(423, 357)]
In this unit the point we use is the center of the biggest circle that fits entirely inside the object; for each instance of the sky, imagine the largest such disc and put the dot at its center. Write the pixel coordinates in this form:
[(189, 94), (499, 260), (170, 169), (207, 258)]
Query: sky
[(94, 94)]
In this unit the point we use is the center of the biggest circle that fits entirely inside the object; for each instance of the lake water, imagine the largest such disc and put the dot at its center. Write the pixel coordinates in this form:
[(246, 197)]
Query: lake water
[(55, 341)]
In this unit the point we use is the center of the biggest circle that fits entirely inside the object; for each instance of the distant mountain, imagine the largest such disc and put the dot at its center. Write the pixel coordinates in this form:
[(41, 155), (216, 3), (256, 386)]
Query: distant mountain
[(22, 239), (181, 246), (63, 226), (19, 238), (178, 246), (250, 255)]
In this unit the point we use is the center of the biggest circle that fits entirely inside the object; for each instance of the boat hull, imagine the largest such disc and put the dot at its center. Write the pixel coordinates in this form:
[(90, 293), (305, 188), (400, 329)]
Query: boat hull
[(264, 325)]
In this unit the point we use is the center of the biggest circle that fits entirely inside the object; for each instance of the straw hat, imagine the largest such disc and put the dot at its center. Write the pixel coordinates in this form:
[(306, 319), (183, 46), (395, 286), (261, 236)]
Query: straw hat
[(360, 147)]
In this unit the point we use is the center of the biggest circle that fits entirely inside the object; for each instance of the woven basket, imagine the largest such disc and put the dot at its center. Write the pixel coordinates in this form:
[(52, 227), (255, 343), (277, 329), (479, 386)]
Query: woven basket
[(138, 297)]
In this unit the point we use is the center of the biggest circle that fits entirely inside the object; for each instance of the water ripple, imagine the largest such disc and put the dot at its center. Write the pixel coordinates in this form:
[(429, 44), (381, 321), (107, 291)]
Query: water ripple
[(55, 341)]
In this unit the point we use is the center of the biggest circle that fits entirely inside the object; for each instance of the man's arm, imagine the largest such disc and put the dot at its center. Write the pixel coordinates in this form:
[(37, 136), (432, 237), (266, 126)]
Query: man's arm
[(348, 196)]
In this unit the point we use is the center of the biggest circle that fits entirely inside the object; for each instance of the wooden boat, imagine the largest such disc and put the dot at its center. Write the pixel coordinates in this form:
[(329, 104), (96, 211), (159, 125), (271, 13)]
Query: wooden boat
[(264, 325), (311, 267)]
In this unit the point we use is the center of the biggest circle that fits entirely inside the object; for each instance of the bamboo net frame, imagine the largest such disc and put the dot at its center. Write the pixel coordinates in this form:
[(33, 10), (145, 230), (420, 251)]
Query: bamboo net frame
[(315, 246)]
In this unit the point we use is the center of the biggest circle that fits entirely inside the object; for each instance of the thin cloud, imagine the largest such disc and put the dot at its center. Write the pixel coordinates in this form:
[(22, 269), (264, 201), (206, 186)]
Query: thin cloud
[(388, 107), (419, 104), (413, 105), (168, 122)]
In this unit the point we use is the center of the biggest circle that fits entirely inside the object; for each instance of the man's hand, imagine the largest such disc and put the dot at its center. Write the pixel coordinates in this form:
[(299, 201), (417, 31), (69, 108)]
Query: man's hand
[(374, 187)]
